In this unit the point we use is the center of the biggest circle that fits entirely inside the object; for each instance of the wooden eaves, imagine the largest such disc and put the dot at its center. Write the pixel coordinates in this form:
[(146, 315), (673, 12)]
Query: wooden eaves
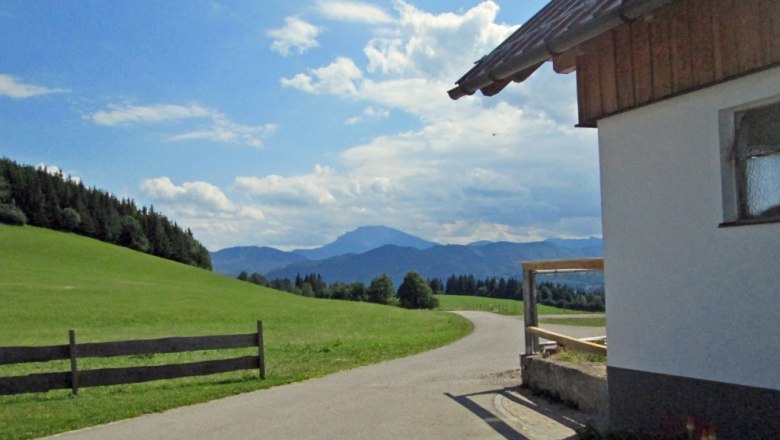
[(559, 27), (632, 53)]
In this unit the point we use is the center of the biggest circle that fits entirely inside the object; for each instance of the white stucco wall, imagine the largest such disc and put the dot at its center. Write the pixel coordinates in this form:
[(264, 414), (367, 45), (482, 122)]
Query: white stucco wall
[(685, 297)]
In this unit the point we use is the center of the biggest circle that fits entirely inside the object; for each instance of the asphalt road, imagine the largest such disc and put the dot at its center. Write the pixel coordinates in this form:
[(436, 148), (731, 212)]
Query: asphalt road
[(447, 393)]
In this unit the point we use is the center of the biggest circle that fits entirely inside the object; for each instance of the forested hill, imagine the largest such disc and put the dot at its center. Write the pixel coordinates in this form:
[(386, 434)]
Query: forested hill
[(35, 196)]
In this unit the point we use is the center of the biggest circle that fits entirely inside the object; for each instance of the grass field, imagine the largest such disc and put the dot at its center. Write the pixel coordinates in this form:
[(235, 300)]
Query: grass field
[(51, 282), (495, 305), (596, 321)]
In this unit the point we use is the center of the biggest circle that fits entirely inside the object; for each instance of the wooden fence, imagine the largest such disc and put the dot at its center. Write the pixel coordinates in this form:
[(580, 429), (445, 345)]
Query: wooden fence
[(75, 379), (531, 316)]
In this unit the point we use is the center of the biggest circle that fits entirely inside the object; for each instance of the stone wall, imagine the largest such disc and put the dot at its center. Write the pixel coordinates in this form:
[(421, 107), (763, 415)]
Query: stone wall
[(583, 386)]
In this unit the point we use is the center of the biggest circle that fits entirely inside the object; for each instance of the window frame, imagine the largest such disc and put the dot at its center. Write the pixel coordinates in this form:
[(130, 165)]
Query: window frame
[(733, 182)]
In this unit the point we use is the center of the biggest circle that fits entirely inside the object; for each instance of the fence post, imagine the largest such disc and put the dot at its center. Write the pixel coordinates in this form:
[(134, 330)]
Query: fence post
[(530, 314), (261, 349), (74, 370)]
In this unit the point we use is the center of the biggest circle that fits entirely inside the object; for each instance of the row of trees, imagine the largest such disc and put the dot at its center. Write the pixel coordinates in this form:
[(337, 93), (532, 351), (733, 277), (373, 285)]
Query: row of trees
[(566, 297), (549, 293), (35, 196), (490, 287), (416, 292), (413, 293)]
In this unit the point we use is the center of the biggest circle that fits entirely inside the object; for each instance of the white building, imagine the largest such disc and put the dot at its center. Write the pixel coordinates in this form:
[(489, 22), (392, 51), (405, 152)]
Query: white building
[(686, 98)]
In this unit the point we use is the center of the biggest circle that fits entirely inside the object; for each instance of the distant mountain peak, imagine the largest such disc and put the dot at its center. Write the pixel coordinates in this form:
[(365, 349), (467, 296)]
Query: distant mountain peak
[(250, 259), (368, 251), (364, 239), (495, 259)]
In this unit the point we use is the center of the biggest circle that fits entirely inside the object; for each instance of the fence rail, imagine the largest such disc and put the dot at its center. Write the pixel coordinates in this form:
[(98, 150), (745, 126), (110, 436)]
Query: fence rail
[(569, 342), (75, 379)]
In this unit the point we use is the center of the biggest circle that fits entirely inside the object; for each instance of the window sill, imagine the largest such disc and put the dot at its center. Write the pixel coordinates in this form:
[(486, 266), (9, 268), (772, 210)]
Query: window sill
[(749, 221)]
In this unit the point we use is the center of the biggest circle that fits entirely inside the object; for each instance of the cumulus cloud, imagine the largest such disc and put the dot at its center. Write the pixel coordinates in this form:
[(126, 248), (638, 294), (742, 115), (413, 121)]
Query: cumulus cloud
[(204, 207), (221, 128), (296, 34), (322, 187), (353, 11), (337, 78), (435, 46), (201, 195), (412, 61), (511, 167), (14, 88)]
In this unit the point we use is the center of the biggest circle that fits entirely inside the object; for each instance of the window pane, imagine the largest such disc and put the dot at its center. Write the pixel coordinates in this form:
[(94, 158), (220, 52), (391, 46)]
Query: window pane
[(761, 128), (763, 186), (758, 161)]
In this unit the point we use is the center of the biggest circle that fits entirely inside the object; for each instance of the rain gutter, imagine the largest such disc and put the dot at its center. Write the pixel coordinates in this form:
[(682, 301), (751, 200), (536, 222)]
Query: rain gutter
[(628, 10)]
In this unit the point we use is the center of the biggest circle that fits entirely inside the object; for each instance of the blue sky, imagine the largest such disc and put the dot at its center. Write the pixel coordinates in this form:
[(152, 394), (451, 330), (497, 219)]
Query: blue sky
[(286, 124)]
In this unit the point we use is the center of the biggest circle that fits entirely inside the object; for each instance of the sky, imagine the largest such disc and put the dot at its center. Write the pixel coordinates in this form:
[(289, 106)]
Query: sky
[(287, 124)]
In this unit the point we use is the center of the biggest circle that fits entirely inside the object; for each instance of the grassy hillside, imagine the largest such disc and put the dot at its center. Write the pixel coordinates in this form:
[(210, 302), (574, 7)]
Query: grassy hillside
[(495, 305), (51, 282)]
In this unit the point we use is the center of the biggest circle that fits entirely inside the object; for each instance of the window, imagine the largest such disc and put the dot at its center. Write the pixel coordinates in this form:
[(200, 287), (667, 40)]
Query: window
[(754, 166)]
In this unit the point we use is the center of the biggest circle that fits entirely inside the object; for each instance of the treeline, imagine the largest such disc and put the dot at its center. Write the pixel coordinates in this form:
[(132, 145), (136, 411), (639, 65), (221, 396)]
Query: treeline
[(548, 293), (30, 195), (491, 287), (566, 297), (413, 293)]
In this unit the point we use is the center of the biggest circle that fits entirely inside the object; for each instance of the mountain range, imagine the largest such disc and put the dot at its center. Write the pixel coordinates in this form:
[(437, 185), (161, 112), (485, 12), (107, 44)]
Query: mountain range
[(369, 251)]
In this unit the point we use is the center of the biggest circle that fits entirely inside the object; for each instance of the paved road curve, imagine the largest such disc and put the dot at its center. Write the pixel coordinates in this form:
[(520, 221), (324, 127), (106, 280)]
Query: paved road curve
[(447, 393)]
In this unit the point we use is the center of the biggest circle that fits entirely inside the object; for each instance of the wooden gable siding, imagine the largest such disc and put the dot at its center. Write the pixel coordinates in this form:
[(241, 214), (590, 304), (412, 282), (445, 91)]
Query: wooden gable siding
[(683, 46)]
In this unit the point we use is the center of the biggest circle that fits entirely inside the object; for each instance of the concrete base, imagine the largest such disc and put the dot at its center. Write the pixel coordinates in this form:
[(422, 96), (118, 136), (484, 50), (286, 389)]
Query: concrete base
[(658, 403), (583, 386)]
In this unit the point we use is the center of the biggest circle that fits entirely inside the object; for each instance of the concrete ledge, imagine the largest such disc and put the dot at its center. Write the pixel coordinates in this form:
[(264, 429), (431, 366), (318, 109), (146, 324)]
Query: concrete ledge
[(583, 386)]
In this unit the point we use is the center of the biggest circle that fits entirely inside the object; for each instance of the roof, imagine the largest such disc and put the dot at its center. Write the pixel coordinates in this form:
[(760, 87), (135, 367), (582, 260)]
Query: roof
[(557, 28)]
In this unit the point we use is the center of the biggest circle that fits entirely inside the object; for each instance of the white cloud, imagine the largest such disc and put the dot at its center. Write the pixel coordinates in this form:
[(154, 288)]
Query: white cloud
[(296, 34), (205, 208), (221, 128), (369, 114), (322, 187), (353, 11), (498, 170), (14, 88), (412, 62), (200, 195), (511, 167), (337, 78), (225, 131), (435, 46), (155, 113)]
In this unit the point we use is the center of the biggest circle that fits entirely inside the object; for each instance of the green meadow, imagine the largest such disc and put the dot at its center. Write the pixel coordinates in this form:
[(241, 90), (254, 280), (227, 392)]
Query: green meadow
[(495, 305), (595, 321), (51, 282)]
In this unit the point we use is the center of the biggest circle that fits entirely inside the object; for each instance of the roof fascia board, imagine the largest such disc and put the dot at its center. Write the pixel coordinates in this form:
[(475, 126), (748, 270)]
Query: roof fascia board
[(628, 10)]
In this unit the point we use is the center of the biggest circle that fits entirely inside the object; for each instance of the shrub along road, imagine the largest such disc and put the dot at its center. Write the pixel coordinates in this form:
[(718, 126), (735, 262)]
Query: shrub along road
[(441, 394)]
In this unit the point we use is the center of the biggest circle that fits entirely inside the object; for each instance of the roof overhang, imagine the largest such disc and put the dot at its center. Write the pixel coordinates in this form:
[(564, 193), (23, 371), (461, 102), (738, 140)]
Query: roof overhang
[(560, 26)]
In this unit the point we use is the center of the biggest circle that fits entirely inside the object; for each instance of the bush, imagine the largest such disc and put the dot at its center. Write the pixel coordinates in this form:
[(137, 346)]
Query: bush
[(415, 293), (11, 215), (381, 289), (70, 219)]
